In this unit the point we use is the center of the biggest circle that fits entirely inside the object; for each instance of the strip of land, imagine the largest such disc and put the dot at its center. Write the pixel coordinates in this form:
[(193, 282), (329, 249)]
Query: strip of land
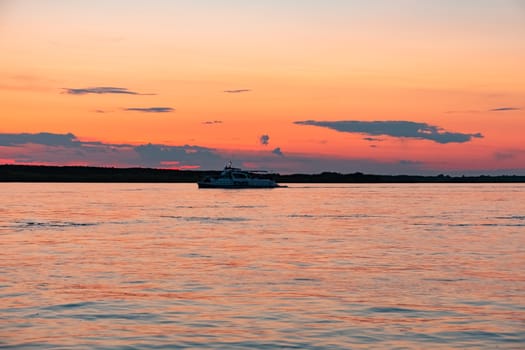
[(30, 173)]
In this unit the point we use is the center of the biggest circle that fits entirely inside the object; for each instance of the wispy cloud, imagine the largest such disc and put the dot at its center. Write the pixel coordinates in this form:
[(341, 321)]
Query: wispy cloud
[(410, 162), (210, 122), (401, 129), (150, 109), (24, 82), (237, 91), (101, 90), (465, 111), (509, 154), (473, 111), (504, 109), (504, 155), (264, 140)]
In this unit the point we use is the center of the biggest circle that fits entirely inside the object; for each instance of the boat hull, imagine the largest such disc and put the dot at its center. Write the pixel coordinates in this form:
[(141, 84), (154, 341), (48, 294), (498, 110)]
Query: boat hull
[(235, 186)]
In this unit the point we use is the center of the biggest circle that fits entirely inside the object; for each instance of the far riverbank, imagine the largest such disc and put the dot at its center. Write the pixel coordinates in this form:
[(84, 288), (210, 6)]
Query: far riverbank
[(31, 173)]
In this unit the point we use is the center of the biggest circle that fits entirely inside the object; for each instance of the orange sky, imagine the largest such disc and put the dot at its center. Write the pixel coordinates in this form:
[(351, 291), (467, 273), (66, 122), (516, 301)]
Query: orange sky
[(454, 68)]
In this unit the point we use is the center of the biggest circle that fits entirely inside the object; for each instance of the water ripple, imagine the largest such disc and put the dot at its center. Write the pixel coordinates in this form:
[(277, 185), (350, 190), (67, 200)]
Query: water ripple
[(207, 219), (163, 266), (52, 224)]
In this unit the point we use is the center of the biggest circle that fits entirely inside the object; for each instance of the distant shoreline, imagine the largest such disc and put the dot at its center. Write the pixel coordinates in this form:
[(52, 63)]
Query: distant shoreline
[(36, 173)]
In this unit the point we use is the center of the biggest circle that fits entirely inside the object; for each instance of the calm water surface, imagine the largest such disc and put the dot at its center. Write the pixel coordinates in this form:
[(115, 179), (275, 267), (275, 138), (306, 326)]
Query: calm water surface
[(108, 266)]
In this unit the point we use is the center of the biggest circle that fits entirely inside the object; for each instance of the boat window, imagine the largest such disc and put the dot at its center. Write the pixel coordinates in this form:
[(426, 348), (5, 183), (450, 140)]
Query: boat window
[(240, 175)]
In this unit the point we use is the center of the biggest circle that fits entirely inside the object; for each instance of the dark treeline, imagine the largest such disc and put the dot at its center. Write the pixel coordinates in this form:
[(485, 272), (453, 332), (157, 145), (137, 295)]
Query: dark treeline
[(29, 173), (329, 177)]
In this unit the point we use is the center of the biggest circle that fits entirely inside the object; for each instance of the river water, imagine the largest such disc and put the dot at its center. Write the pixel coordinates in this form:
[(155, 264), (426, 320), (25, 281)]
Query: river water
[(157, 266)]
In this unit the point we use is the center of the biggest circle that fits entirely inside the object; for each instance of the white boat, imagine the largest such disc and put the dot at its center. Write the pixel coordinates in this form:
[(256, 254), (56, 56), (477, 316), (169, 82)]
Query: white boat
[(236, 178)]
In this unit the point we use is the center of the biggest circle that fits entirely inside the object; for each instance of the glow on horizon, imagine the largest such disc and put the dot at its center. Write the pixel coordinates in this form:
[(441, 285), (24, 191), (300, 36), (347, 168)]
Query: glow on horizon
[(218, 74)]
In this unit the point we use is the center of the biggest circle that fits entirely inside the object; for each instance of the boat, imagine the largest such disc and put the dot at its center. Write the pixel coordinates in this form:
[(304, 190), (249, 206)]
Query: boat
[(231, 177)]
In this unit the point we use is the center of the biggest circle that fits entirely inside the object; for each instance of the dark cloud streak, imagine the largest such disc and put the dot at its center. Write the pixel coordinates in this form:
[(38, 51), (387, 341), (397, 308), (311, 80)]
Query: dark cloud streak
[(237, 91), (101, 90), (372, 139), (150, 109), (401, 129), (504, 109)]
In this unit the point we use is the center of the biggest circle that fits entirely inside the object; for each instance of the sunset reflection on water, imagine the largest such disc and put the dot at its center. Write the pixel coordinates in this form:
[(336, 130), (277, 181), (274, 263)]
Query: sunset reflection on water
[(315, 266)]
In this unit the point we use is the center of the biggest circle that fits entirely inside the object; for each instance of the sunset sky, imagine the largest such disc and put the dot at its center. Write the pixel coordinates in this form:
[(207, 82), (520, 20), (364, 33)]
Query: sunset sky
[(375, 86)]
